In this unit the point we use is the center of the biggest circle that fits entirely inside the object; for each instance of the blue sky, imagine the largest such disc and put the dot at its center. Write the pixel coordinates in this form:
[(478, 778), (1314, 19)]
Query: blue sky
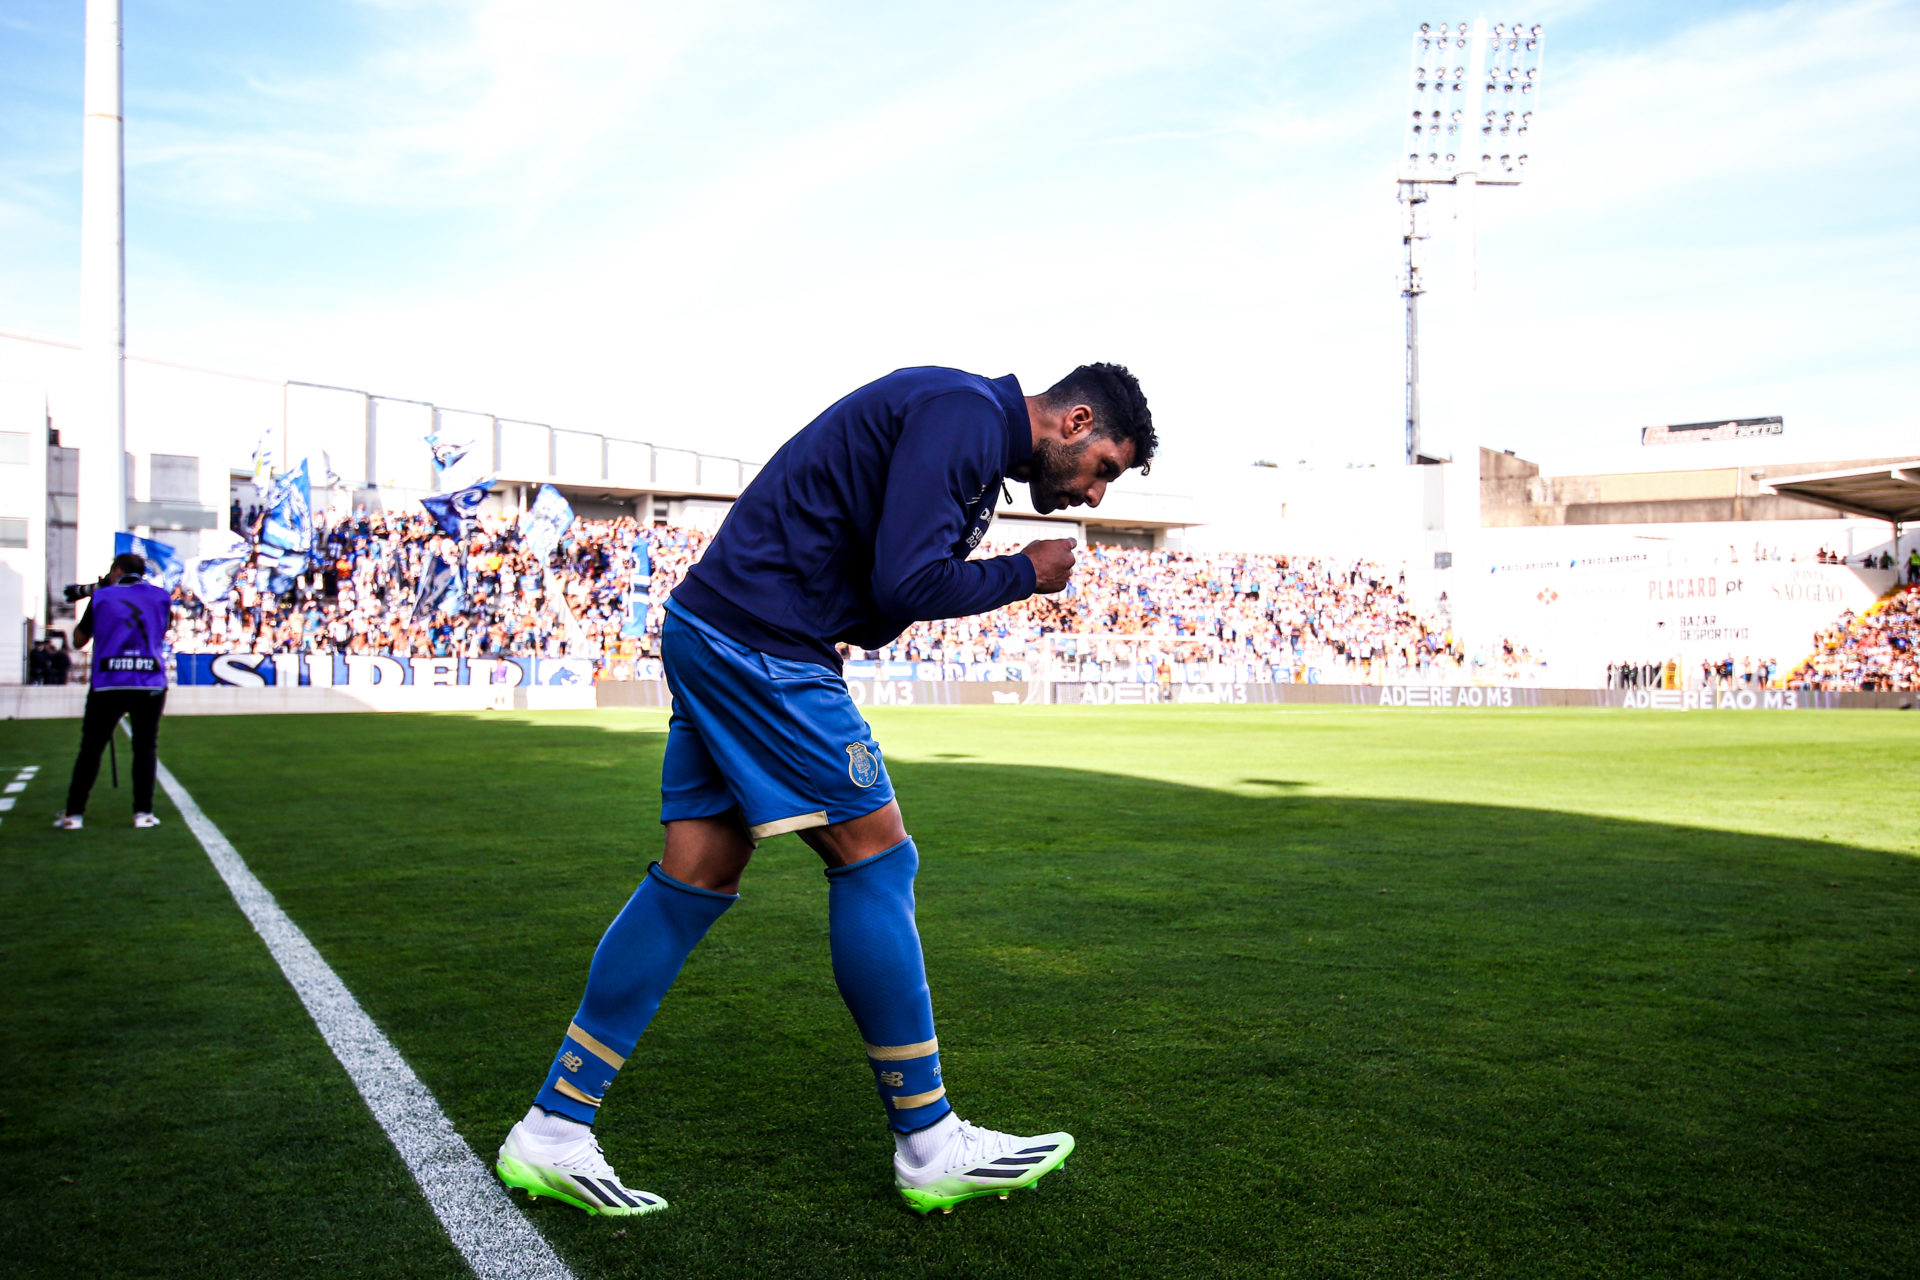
[(700, 224)]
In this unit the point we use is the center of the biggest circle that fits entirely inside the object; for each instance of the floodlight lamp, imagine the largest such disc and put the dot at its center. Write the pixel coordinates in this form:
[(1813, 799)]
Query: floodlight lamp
[(1532, 45), (1532, 71), (1456, 115), (1463, 28), (1432, 158), (1449, 157), (1536, 29), (1523, 159), (1499, 28), (1424, 28), (1525, 88)]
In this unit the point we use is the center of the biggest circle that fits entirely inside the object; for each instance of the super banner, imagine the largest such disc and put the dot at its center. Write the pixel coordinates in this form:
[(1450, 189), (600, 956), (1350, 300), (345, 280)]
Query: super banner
[(361, 670)]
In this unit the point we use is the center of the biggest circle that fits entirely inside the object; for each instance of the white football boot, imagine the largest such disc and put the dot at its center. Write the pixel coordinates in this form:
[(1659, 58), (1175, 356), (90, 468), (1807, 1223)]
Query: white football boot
[(64, 821), (979, 1162), (144, 820), (573, 1172)]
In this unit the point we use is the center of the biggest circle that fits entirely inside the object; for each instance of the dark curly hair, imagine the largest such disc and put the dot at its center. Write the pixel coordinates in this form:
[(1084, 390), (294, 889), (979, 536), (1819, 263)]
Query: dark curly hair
[(1119, 406)]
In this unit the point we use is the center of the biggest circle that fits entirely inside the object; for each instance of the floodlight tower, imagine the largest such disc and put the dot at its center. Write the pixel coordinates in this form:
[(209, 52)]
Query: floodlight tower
[(103, 296), (1473, 92)]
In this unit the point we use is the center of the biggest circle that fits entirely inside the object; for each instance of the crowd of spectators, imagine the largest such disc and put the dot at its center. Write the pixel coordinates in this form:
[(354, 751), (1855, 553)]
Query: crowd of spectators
[(1141, 615), (1129, 614), (1726, 673), (1875, 650), (359, 592)]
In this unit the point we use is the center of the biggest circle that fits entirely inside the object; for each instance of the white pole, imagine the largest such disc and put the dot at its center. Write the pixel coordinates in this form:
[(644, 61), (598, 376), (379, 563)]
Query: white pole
[(102, 434), (1466, 428)]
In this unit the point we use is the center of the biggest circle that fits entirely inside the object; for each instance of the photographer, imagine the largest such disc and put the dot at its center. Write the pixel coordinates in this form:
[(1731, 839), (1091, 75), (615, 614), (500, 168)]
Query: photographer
[(128, 617)]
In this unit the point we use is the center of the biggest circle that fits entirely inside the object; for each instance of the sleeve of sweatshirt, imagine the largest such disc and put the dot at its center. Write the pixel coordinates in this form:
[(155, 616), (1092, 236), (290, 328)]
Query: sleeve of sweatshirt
[(949, 452)]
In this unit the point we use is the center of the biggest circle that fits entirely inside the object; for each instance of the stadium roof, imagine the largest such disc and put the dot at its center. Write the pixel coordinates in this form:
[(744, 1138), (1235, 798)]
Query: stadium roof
[(1889, 491)]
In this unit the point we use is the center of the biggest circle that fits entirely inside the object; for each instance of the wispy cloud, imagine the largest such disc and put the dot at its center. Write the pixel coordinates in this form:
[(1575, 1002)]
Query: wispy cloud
[(686, 219)]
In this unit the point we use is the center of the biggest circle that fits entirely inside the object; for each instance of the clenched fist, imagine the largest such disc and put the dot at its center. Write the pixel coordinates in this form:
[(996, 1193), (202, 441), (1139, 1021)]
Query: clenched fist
[(1052, 563)]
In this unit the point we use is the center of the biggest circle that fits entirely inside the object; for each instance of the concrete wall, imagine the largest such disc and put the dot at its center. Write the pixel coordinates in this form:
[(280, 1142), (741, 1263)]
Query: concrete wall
[(1514, 494), (23, 497)]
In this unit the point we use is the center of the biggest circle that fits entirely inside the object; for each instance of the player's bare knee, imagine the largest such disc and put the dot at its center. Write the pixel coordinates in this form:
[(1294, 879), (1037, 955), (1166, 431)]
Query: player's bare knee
[(842, 843)]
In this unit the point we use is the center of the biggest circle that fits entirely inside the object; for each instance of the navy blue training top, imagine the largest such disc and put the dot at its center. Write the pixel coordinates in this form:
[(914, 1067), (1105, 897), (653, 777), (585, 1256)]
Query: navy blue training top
[(862, 523)]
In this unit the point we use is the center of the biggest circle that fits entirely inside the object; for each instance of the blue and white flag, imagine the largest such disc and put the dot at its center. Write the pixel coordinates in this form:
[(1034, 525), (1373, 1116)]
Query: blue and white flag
[(289, 522), (642, 561), (164, 564), (634, 625), (441, 590), (446, 453), (262, 458), (549, 519), (209, 575), (283, 570), (458, 513)]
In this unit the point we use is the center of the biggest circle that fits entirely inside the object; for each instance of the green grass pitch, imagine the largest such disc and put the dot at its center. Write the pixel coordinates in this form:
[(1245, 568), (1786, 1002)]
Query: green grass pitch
[(1321, 992)]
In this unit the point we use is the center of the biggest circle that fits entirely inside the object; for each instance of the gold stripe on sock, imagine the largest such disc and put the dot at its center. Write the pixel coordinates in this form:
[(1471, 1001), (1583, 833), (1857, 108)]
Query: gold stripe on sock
[(918, 1099), (563, 1087), (902, 1052), (593, 1046)]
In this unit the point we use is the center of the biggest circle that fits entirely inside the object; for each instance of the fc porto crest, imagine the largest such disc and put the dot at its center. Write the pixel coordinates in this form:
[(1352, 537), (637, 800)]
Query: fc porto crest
[(861, 765)]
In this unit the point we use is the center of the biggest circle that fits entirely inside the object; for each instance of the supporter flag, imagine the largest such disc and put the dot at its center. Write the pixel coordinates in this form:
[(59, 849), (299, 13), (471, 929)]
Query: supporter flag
[(642, 561), (283, 569), (263, 458), (549, 519), (164, 565), (441, 590), (289, 523), (446, 452), (209, 576), (634, 625), (458, 513), (332, 478)]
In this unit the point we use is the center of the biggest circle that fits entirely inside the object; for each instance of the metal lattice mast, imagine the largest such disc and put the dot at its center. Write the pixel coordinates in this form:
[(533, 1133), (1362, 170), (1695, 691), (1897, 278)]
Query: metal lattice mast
[(1470, 122)]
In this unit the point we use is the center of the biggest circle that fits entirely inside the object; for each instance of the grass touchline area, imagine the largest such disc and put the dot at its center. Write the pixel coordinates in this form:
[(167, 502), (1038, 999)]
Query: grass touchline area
[(1319, 992)]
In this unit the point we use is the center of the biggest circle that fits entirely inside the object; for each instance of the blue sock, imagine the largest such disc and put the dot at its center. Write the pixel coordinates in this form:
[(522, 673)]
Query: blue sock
[(635, 963), (883, 979)]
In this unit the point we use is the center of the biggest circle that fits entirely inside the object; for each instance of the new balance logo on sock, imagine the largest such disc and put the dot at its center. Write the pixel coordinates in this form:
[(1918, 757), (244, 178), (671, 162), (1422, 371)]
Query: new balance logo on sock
[(572, 1061)]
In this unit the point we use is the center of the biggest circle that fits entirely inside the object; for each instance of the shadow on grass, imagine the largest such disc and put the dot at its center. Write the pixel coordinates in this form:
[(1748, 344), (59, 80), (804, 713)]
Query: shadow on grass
[(1295, 1035)]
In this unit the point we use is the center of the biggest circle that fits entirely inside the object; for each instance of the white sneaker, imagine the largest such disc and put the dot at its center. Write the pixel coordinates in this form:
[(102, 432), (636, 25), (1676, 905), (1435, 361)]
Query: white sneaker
[(979, 1162), (145, 820), (574, 1172), (64, 821)]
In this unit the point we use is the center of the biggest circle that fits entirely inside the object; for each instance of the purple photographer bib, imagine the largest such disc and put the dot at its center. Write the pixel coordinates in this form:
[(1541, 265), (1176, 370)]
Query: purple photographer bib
[(129, 636)]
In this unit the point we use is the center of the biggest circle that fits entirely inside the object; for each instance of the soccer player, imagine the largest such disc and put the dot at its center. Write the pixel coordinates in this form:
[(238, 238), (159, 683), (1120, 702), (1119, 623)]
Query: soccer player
[(859, 526)]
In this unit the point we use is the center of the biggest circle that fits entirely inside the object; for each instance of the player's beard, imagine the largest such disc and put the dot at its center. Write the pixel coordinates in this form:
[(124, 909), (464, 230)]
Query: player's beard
[(1054, 468)]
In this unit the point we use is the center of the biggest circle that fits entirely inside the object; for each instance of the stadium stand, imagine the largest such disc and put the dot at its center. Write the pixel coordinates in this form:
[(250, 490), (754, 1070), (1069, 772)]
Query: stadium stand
[(1267, 617), (1877, 650)]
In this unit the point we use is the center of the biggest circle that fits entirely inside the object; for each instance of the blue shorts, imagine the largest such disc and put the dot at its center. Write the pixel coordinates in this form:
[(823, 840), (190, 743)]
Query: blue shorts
[(781, 740)]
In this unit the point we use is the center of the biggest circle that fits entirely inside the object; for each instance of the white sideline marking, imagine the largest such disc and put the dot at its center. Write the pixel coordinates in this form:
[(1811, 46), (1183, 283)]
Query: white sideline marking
[(494, 1237)]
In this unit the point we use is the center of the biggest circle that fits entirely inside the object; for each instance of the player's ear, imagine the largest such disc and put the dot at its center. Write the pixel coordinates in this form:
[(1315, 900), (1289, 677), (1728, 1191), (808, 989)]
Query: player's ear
[(1076, 423)]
